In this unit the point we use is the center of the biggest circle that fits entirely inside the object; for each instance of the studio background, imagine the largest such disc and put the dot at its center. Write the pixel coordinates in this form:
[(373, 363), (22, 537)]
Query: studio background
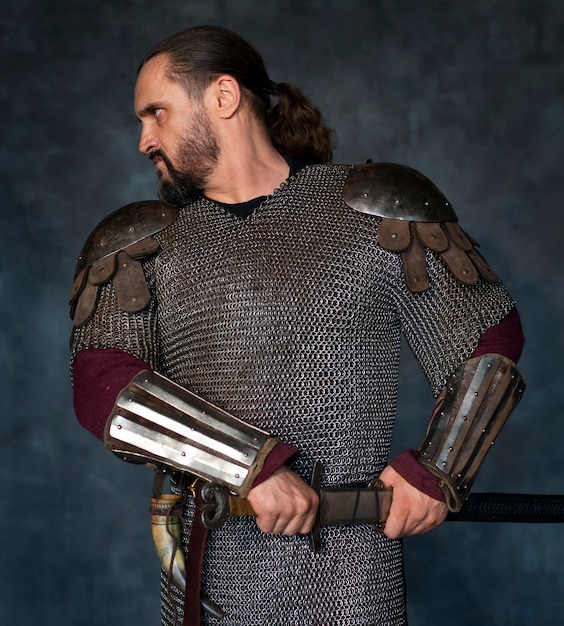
[(469, 92)]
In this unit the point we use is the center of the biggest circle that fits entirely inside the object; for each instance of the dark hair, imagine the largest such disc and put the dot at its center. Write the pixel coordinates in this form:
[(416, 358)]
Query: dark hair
[(197, 56)]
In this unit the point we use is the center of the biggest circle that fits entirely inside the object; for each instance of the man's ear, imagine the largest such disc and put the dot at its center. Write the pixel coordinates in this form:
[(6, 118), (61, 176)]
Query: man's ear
[(226, 93)]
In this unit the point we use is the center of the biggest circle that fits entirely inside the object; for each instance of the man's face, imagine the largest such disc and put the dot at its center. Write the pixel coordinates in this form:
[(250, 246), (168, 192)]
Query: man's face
[(176, 134)]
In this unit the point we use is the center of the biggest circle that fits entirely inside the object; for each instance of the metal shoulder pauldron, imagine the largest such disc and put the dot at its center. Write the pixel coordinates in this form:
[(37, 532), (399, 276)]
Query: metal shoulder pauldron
[(113, 251), (415, 215)]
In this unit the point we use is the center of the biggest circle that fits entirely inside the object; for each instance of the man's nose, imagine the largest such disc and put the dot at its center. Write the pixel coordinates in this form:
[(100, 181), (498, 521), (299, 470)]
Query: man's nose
[(148, 142)]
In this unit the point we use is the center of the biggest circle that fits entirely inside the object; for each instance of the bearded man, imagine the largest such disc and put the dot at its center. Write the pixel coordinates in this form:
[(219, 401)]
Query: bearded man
[(276, 286)]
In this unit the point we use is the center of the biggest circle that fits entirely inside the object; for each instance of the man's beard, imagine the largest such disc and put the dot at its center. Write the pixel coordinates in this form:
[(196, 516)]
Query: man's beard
[(196, 158)]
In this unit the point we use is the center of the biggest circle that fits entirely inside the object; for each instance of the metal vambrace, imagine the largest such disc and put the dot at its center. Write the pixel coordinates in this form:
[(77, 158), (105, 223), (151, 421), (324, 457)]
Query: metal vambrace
[(473, 407), (157, 421)]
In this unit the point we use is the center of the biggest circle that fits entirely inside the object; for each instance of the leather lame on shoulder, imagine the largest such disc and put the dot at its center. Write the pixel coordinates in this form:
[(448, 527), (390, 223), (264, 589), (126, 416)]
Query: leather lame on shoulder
[(113, 252), (415, 215)]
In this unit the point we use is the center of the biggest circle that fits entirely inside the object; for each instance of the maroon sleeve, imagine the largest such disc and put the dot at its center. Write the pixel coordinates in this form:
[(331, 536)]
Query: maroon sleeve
[(505, 338), (98, 377), (409, 468), (282, 453)]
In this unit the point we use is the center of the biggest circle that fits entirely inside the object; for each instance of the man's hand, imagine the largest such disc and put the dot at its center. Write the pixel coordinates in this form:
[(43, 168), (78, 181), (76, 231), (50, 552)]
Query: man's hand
[(284, 503), (412, 512)]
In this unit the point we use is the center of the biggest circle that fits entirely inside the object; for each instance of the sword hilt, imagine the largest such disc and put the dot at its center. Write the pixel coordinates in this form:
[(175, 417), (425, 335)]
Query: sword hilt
[(368, 505)]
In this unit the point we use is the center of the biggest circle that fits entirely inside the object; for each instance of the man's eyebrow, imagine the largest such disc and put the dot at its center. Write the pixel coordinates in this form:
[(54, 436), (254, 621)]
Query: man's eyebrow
[(149, 108)]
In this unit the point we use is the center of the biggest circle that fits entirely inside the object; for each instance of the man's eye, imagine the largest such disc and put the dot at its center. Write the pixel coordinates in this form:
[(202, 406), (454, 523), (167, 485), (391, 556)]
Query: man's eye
[(157, 112)]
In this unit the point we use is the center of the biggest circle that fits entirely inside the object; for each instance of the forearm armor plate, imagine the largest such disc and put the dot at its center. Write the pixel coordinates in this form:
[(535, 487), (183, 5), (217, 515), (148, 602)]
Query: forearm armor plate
[(157, 421), (472, 409)]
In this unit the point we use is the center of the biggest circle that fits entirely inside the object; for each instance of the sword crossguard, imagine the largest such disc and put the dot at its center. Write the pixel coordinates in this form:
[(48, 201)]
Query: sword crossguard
[(376, 483), (315, 484)]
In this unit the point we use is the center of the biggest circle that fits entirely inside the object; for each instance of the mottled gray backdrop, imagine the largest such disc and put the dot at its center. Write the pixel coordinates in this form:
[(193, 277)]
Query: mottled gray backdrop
[(469, 91)]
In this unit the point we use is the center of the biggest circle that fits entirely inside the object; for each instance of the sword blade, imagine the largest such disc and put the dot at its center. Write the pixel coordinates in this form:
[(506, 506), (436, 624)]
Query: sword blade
[(511, 507)]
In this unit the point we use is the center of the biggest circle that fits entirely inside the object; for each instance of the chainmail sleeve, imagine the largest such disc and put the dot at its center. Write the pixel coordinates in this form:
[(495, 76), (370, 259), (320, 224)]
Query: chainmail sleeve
[(111, 327), (443, 324)]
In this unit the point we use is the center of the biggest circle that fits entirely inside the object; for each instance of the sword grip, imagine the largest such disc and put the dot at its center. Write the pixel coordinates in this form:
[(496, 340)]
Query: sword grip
[(240, 507)]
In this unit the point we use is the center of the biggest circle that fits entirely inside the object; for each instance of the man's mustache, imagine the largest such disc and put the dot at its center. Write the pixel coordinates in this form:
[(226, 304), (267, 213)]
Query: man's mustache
[(157, 154)]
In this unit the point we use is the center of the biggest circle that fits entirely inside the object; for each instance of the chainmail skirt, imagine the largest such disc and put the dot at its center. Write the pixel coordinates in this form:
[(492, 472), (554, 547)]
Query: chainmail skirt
[(356, 580)]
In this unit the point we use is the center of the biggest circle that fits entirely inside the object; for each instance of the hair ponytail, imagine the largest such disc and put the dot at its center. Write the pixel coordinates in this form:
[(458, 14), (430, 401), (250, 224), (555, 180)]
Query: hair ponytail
[(297, 128)]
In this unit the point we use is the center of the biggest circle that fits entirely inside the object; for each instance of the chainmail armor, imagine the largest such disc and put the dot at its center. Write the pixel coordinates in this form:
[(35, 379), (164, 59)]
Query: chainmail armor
[(291, 319), (111, 327)]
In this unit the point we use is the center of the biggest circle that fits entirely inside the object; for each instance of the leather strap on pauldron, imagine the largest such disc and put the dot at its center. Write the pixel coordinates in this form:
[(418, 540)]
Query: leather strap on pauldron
[(415, 215), (113, 252), (472, 409)]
